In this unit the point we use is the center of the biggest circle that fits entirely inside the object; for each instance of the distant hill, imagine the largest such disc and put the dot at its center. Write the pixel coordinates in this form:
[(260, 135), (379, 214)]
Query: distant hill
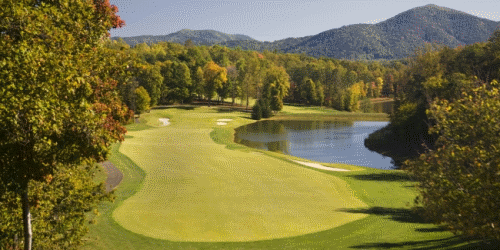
[(396, 37), (206, 37), (393, 38)]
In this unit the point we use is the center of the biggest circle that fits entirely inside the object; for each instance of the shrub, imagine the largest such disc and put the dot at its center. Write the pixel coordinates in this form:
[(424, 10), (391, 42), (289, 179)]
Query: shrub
[(256, 112)]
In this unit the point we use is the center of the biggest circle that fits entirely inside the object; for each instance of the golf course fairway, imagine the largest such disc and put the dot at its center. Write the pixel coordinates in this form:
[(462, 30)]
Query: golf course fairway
[(196, 190)]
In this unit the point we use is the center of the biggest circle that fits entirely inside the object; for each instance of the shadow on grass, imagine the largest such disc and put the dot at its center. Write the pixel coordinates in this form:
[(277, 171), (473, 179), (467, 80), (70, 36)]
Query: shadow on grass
[(230, 109), (454, 242), (185, 107), (246, 117), (430, 230), (383, 177), (226, 110), (396, 214)]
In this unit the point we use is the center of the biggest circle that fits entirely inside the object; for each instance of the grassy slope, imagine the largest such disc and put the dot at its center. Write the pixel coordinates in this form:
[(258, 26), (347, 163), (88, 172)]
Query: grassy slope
[(390, 224), (196, 190)]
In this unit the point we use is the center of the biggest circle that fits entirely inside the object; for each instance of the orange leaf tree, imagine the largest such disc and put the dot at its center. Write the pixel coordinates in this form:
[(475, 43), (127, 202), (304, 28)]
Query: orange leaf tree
[(58, 108)]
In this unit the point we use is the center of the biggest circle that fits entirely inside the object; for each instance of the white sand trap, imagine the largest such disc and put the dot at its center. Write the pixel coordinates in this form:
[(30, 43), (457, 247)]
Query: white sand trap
[(224, 120), (319, 166), (165, 121), (221, 123)]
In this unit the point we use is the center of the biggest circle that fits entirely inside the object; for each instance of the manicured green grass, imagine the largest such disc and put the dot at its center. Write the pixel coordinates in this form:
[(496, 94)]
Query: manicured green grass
[(325, 113), (288, 109), (182, 184), (197, 190)]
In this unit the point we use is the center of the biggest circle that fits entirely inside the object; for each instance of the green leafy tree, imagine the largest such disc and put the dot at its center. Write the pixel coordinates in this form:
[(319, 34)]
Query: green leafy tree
[(58, 104), (275, 87), (176, 81), (253, 76), (459, 181), (320, 94), (234, 84), (61, 205), (196, 58), (220, 55), (149, 77), (180, 83), (142, 100), (198, 82), (276, 103), (241, 69), (388, 88), (339, 97), (308, 90), (351, 78)]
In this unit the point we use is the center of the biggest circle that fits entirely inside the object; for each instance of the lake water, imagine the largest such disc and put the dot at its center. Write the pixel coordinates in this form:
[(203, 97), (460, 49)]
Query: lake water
[(323, 141)]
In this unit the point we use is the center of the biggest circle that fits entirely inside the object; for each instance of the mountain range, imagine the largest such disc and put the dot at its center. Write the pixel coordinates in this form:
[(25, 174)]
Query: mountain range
[(205, 37), (394, 38)]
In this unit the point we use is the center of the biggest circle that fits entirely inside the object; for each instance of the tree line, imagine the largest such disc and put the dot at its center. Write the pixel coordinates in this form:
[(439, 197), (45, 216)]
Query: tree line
[(181, 73)]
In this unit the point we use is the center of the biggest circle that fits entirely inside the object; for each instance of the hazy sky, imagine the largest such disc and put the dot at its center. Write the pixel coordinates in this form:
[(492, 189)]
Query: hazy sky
[(269, 20)]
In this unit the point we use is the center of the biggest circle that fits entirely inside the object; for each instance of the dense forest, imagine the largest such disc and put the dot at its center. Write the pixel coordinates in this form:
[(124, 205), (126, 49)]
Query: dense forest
[(175, 73)]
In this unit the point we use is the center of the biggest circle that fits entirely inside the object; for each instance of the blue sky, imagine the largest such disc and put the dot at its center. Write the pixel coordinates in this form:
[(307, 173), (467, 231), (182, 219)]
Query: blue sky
[(269, 20)]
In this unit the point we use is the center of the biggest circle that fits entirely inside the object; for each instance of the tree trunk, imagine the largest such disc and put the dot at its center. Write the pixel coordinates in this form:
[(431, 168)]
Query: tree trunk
[(247, 97), (28, 235), (16, 242)]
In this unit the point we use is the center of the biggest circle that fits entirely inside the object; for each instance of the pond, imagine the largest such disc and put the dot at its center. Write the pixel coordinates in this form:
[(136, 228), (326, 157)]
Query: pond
[(322, 141)]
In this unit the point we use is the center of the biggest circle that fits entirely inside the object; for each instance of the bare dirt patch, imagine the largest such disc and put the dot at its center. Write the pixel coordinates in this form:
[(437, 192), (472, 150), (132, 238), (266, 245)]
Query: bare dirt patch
[(115, 176)]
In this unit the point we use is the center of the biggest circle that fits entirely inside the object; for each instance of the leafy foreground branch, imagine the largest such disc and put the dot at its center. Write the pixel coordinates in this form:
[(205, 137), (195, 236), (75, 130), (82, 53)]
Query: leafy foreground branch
[(58, 110), (61, 207)]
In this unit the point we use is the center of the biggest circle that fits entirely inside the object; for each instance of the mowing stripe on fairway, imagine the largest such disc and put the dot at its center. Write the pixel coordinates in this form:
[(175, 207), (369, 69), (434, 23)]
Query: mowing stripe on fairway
[(197, 190)]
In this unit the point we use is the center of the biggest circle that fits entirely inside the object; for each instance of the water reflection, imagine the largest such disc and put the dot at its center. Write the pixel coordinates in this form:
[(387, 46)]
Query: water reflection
[(324, 141), (383, 107)]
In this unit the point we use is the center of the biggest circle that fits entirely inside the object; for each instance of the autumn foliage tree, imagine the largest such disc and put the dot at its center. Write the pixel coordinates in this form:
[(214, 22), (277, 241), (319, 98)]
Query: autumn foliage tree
[(57, 105), (214, 77)]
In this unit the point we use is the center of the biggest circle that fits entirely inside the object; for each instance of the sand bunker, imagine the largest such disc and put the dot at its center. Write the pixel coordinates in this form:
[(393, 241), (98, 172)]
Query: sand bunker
[(319, 166), (165, 121), (221, 123), (224, 120)]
